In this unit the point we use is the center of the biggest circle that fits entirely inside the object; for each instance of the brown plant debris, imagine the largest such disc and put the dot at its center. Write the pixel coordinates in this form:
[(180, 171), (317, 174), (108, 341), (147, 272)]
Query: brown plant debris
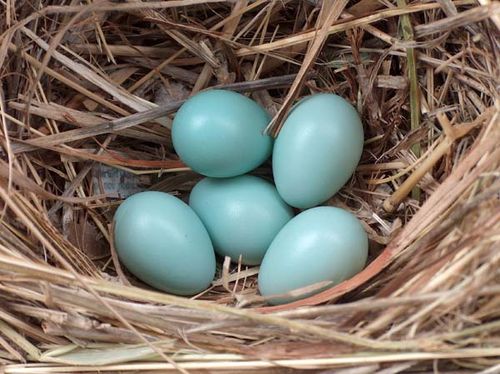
[(87, 96)]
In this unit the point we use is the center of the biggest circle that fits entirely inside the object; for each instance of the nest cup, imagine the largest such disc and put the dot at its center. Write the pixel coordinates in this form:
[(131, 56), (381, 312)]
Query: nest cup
[(88, 96)]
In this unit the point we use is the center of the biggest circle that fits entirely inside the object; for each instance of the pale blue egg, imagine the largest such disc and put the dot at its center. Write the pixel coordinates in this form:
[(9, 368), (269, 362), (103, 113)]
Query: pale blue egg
[(320, 246), (317, 150), (163, 242), (219, 133), (242, 215)]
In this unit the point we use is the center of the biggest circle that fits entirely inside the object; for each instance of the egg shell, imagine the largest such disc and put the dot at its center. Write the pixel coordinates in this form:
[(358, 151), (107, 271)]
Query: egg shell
[(323, 244), (242, 215), (317, 150), (219, 133), (163, 242)]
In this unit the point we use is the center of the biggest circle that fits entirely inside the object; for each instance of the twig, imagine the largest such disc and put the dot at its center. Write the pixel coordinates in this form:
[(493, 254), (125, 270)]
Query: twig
[(414, 89), (395, 199), (332, 11), (114, 256)]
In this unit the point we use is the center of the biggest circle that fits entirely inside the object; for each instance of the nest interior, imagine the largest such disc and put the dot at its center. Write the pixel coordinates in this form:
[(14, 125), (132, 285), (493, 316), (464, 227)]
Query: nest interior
[(88, 93)]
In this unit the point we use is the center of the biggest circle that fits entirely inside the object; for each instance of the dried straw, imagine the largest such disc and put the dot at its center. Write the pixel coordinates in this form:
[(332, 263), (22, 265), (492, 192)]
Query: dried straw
[(92, 85)]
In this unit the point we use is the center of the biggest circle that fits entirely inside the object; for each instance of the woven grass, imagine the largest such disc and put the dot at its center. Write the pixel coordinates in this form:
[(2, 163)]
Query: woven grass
[(95, 84)]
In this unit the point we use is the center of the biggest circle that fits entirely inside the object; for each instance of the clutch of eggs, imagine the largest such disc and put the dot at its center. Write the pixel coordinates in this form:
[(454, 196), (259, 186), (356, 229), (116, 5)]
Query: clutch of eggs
[(172, 246)]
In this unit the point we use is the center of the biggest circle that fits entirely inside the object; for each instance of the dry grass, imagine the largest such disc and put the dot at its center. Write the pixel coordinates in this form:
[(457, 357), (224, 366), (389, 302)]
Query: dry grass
[(94, 84)]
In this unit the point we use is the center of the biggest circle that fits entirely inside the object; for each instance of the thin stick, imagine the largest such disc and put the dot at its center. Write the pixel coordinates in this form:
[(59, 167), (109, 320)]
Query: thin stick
[(97, 98), (317, 363), (105, 128), (332, 11), (114, 255), (414, 89), (391, 203), (338, 27)]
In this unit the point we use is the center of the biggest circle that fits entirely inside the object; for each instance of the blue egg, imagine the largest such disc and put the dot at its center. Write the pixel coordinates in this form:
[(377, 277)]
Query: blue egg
[(317, 150), (320, 246), (242, 215), (163, 242), (219, 133)]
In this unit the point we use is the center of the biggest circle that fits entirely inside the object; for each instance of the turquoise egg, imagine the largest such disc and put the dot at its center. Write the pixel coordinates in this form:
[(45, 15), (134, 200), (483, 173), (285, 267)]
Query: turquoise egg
[(242, 215), (320, 246), (219, 134), (163, 242), (317, 150)]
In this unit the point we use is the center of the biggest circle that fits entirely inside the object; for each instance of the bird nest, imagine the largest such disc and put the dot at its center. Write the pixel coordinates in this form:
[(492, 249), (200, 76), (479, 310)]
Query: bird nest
[(88, 93)]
